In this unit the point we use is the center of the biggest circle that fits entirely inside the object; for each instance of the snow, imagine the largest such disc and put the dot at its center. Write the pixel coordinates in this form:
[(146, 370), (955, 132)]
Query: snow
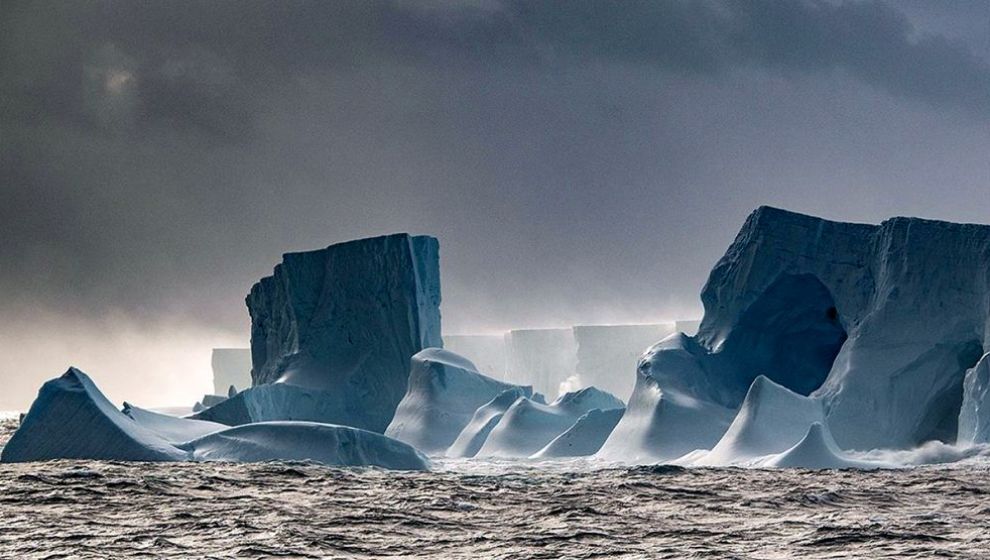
[(306, 441), (444, 392), (231, 367), (585, 437), (527, 426), (345, 321), (71, 419), (543, 358), (816, 450), (485, 351), (974, 413), (771, 420), (484, 420), (665, 419), (171, 428), (606, 354)]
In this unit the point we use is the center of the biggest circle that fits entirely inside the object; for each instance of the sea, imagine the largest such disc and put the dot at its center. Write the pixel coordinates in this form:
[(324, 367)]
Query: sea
[(478, 509)]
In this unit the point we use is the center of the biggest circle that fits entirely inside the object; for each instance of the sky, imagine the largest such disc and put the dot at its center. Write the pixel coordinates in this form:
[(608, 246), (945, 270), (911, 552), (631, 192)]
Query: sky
[(580, 162)]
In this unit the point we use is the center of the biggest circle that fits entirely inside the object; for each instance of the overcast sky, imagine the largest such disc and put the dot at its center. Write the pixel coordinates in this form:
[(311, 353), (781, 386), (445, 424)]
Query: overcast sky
[(580, 162)]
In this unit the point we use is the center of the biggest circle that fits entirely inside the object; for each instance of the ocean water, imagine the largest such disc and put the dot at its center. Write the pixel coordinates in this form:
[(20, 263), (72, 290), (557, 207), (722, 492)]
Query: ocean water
[(87, 509)]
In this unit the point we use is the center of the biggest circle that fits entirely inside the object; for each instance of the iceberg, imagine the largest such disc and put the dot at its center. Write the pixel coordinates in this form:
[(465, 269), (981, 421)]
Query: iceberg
[(974, 413), (305, 441), (231, 368), (879, 323), (485, 351), (340, 325), (527, 426), (817, 450), (543, 358), (771, 420), (666, 418), (444, 392), (583, 438), (606, 353), (72, 419), (484, 420)]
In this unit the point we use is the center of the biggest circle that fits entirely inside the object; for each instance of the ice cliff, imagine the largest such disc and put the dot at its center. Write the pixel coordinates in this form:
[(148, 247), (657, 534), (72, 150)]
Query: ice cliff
[(444, 392), (339, 326), (878, 323), (606, 353), (974, 414)]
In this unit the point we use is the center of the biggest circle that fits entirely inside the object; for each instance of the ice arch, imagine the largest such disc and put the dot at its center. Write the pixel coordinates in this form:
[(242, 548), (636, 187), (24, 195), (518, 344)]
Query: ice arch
[(791, 333)]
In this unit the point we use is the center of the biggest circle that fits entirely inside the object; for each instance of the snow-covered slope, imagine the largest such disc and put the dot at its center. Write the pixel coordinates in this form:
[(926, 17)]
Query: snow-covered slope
[(306, 441), (171, 428), (231, 366), (484, 420), (444, 392), (607, 353), (585, 437), (670, 412), (771, 420), (878, 322), (346, 320), (71, 419), (527, 426), (974, 414), (816, 450)]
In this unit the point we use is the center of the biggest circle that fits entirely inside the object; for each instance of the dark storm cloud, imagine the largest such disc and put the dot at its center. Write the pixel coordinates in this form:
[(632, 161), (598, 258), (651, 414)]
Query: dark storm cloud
[(580, 161)]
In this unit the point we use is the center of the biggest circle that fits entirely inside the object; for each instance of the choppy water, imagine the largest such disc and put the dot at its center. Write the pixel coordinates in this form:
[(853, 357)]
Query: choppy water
[(72, 509)]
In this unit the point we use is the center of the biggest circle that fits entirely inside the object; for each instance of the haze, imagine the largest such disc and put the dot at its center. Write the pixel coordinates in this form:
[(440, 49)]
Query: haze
[(579, 163)]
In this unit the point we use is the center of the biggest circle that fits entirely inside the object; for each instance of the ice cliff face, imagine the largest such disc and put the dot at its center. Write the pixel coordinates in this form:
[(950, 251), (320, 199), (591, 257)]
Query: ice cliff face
[(543, 358), (974, 415), (606, 352), (877, 322), (444, 392), (346, 320)]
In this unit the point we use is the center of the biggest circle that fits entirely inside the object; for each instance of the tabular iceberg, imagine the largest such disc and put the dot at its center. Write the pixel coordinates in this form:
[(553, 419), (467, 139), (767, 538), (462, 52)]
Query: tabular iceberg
[(543, 358), (527, 426), (606, 353), (444, 392), (486, 351), (877, 322), (340, 325), (72, 419)]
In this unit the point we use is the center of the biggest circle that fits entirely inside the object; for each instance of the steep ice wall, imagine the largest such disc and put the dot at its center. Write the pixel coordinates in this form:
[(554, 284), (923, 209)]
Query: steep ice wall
[(974, 414), (607, 353), (444, 392), (486, 351), (231, 366), (543, 358), (346, 320), (878, 322)]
